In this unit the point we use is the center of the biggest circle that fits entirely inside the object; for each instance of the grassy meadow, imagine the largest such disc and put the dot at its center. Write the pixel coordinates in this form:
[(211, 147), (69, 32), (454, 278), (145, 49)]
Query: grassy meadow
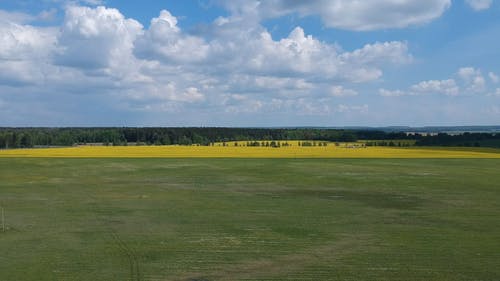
[(249, 219)]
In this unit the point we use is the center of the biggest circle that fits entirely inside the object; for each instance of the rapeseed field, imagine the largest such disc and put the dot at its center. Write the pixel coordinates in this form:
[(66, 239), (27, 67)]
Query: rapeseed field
[(239, 150)]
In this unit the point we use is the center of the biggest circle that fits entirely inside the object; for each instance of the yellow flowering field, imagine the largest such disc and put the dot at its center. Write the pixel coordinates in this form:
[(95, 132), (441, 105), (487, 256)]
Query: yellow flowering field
[(232, 151)]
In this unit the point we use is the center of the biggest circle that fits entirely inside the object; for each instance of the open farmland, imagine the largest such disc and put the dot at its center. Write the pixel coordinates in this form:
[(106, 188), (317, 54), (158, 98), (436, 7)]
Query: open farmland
[(240, 151), (248, 219)]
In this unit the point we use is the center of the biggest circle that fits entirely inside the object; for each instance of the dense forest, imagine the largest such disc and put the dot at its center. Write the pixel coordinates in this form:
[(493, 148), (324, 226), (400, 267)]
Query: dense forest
[(464, 139), (49, 137)]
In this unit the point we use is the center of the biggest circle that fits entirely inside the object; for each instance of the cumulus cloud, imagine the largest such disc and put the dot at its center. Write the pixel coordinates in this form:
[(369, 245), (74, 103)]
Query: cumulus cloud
[(20, 73), (479, 5), (444, 87), (493, 77), (282, 83), (473, 79), (254, 51), (96, 38), (469, 80), (493, 110), (235, 65), (395, 52), (15, 17), (305, 107), (24, 42), (237, 103), (164, 40), (191, 94), (298, 53), (93, 2), (447, 87), (347, 14), (361, 62), (340, 91), (23, 18), (352, 108), (391, 93), (236, 45), (157, 92), (47, 15), (24, 52)]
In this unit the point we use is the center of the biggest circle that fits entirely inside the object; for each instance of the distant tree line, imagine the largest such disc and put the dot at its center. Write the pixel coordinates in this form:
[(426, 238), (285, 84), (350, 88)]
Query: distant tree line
[(465, 140), (39, 137), (390, 143)]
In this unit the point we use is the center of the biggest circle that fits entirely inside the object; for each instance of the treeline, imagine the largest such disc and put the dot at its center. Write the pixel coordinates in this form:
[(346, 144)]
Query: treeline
[(39, 137), (35, 137), (464, 140), (279, 144)]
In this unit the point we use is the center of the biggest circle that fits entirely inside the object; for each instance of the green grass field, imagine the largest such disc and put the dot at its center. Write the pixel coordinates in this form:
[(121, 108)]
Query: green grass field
[(250, 219)]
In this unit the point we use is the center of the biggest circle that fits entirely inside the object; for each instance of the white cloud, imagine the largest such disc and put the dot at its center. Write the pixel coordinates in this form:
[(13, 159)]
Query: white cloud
[(446, 87), (280, 83), (24, 52), (93, 2), (394, 52), (243, 48), (298, 53), (473, 79), (47, 15), (305, 107), (236, 103), (100, 56), (301, 54), (192, 94), (467, 73), (342, 108), (493, 77), (96, 38), (470, 80), (164, 40), (493, 110), (393, 93), (24, 42), (479, 5), (163, 94), (15, 17), (362, 63), (340, 91), (347, 14), (20, 73), (23, 18)]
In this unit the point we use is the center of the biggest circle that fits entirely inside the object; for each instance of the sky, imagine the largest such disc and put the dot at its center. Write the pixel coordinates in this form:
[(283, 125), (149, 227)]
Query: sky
[(249, 63)]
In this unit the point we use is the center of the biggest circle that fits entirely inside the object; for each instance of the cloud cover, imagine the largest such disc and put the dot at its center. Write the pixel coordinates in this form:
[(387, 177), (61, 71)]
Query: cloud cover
[(479, 5), (98, 50), (102, 61), (347, 14), (467, 81)]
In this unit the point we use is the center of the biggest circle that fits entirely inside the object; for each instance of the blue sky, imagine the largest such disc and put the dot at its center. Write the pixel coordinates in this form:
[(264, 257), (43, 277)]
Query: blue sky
[(249, 63)]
